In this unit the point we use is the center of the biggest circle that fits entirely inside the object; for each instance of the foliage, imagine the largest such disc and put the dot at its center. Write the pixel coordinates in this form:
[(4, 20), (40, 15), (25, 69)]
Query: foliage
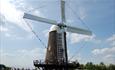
[(101, 66), (87, 66)]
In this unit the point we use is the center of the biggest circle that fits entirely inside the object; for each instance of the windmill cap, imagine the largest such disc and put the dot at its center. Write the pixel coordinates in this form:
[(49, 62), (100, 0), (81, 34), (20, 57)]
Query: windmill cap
[(54, 28)]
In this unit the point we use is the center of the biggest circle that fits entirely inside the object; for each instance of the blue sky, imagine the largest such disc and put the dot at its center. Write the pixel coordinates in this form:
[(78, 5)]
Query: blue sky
[(19, 47)]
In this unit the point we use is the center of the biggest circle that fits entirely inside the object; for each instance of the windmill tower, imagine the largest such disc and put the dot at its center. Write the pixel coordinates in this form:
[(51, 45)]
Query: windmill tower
[(56, 55)]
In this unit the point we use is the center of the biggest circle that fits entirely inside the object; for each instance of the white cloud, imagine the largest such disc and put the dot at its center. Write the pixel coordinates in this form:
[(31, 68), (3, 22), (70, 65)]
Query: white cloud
[(103, 51), (12, 14), (3, 29), (75, 38), (111, 40), (8, 33), (12, 58), (82, 13), (13, 36), (106, 55)]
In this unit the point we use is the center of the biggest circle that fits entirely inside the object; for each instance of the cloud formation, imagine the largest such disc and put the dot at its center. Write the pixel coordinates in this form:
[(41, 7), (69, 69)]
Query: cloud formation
[(12, 14), (75, 38), (15, 58), (104, 51), (3, 29), (111, 40), (106, 54), (15, 15)]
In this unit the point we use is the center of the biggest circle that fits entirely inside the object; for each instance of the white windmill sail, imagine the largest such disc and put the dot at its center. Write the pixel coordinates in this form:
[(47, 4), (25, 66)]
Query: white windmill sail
[(78, 30), (68, 28), (40, 19)]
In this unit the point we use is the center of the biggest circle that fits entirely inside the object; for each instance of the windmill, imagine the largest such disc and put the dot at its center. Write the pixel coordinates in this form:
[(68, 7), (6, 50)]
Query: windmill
[(56, 55)]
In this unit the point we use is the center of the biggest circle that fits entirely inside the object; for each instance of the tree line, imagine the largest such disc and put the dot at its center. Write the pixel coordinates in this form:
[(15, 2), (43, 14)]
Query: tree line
[(101, 66), (87, 66)]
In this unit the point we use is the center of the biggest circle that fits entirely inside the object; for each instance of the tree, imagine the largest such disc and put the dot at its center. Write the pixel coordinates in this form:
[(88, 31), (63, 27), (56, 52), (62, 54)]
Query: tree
[(89, 66), (111, 67)]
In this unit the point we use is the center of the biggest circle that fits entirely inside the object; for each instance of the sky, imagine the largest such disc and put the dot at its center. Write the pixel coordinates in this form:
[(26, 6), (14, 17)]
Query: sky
[(19, 46)]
